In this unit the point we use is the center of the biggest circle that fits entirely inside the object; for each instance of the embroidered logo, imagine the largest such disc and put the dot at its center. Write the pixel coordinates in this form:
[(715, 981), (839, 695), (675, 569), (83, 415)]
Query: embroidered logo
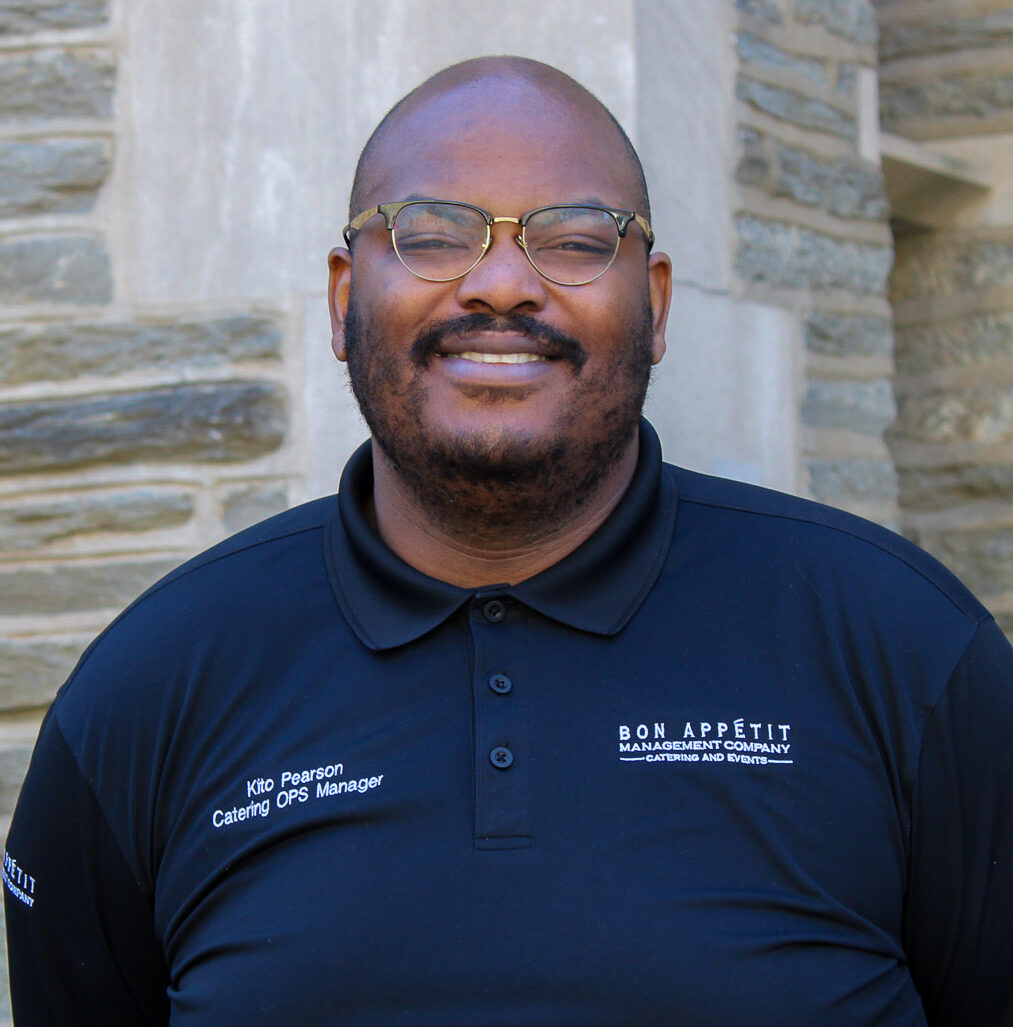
[(18, 881), (738, 740)]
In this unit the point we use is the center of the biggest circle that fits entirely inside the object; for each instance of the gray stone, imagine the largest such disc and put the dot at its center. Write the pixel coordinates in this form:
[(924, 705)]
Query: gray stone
[(31, 672), (756, 158), (253, 503), (982, 559), (937, 264), (838, 481), (847, 78), (846, 187), (982, 414), (855, 20), (804, 111), (973, 95), (766, 10), (52, 176), (754, 50), (55, 269), (987, 30), (40, 84), (787, 256), (63, 351), (224, 421), (964, 342), (14, 760), (20, 16), (864, 407), (936, 488), (31, 525), (846, 335), (63, 588)]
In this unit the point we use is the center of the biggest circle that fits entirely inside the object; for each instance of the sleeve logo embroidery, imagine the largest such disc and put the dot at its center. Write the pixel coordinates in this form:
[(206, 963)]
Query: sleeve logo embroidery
[(752, 742), (19, 882)]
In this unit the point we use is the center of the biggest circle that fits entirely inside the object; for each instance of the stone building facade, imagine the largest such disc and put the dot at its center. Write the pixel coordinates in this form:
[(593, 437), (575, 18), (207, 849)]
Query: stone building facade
[(165, 376)]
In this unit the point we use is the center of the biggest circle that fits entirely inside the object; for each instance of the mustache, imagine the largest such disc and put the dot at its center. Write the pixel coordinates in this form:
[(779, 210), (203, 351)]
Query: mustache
[(557, 344)]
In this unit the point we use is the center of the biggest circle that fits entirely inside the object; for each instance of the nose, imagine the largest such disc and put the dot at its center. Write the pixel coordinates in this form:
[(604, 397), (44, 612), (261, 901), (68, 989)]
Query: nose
[(503, 281)]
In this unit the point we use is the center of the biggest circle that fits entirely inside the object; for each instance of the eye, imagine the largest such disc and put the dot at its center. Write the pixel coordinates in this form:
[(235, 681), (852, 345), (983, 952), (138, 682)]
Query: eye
[(430, 242)]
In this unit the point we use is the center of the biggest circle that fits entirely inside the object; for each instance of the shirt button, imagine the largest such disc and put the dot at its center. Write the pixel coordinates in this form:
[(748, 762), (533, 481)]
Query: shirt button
[(501, 757), (500, 684), (494, 611)]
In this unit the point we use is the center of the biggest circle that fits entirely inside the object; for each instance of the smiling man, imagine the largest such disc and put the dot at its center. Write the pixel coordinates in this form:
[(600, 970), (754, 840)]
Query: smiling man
[(527, 726)]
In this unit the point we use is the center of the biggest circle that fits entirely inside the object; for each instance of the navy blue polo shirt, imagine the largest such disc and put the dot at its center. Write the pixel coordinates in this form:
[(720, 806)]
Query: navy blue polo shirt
[(738, 759)]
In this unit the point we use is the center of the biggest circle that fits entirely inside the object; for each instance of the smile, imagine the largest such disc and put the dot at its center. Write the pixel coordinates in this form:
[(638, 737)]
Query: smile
[(500, 358)]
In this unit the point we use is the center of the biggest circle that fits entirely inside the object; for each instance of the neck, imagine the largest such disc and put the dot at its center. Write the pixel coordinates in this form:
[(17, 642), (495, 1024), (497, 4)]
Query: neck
[(479, 533)]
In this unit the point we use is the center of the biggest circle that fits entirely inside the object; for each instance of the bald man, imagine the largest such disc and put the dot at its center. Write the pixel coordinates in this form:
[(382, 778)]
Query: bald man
[(525, 726)]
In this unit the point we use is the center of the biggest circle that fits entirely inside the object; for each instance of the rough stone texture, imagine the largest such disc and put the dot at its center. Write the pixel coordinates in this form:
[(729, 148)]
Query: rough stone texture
[(22, 16), (31, 525), (846, 187), (754, 50), (800, 110), (981, 414), (62, 588), (847, 78), (967, 342), (855, 20), (933, 265), (939, 34), (936, 488), (14, 761), (57, 352), (42, 84), (836, 481), (253, 503), (206, 422), (983, 559), (52, 176), (786, 256), (768, 10), (863, 407), (55, 269), (972, 95), (31, 672), (845, 335)]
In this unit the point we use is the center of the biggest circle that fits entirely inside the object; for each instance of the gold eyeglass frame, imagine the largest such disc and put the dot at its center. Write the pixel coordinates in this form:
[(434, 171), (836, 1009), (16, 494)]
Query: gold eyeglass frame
[(390, 212)]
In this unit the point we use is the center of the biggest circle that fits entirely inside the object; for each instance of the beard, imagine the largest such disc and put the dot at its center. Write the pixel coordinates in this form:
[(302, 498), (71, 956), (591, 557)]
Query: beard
[(493, 482)]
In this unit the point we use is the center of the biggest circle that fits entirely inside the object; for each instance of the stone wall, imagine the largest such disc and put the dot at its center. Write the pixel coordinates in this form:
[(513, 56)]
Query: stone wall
[(947, 79), (813, 232)]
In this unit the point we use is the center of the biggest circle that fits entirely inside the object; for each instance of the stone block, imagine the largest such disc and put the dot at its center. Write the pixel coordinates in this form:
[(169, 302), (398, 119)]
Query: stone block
[(854, 20), (34, 524), (52, 176), (937, 264), (56, 83), (867, 408), (936, 488), (756, 158), (796, 108), (975, 95), (839, 481), (964, 342), (789, 257), (224, 421), (981, 414), (64, 351), (938, 34), (982, 559), (55, 269), (32, 671), (64, 588), (23, 16), (847, 78), (252, 503), (14, 760), (754, 50), (847, 335), (766, 10)]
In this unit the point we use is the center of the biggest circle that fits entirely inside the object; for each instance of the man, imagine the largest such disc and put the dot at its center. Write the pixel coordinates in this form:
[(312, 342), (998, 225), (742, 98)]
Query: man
[(527, 727)]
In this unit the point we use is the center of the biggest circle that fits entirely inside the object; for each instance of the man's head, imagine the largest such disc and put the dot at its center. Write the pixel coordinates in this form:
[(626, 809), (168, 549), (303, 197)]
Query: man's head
[(500, 379)]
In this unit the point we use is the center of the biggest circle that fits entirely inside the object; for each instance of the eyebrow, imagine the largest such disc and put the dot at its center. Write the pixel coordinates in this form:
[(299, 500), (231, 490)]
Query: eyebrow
[(579, 201)]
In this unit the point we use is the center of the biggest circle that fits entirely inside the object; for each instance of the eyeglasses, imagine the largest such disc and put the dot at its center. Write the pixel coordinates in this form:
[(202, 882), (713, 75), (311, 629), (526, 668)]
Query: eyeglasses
[(440, 240)]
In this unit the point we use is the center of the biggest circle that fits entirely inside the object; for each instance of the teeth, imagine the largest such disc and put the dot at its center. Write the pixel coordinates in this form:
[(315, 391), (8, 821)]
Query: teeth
[(500, 358)]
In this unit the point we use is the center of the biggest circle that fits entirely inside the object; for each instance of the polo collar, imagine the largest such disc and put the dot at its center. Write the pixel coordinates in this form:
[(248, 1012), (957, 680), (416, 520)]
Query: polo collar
[(596, 588)]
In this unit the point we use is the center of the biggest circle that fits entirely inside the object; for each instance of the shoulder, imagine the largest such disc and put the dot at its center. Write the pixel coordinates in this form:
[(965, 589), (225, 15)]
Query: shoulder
[(760, 526)]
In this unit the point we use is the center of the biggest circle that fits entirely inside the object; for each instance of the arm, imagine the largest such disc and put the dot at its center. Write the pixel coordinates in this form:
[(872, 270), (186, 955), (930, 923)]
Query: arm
[(959, 915), (80, 936)]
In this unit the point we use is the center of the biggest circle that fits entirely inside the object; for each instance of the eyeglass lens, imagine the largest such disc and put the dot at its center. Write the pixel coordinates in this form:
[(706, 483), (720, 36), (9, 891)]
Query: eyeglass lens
[(442, 241)]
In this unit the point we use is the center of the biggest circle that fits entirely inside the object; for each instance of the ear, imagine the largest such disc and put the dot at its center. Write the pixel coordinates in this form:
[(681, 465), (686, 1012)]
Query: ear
[(339, 261), (659, 276)]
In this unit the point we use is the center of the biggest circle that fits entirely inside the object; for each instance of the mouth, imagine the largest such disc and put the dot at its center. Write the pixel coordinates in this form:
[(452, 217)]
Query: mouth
[(497, 358)]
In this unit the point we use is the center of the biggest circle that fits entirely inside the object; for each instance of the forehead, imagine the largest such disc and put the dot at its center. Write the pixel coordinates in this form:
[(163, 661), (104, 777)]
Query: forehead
[(502, 141)]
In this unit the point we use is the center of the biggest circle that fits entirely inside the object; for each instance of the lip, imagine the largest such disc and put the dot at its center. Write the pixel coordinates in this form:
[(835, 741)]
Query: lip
[(495, 344)]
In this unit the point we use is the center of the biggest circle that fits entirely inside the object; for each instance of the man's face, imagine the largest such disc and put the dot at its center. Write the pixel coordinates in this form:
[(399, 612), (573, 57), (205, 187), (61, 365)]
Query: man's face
[(502, 371)]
